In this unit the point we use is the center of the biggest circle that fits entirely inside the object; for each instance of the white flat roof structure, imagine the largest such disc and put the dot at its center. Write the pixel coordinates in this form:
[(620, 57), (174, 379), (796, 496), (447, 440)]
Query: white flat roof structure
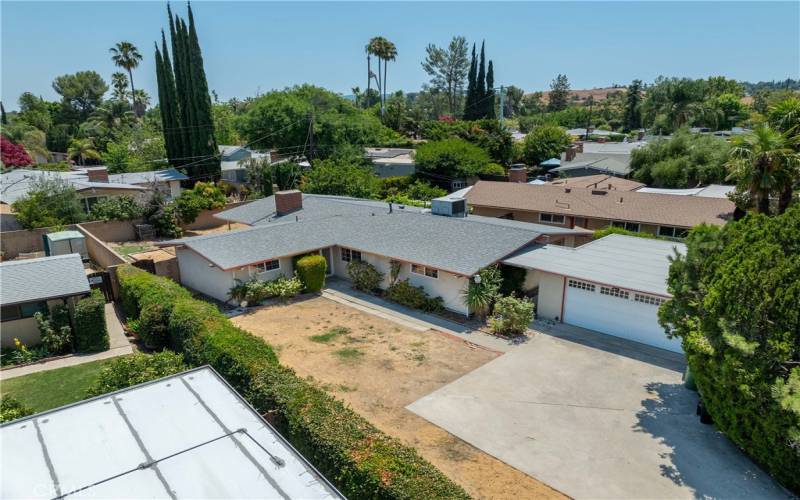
[(639, 264), (185, 436)]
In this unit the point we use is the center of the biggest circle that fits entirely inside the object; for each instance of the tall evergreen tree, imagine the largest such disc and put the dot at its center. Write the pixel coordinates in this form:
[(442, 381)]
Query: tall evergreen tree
[(480, 86), (176, 129), (633, 113), (205, 141), (469, 108), (489, 109)]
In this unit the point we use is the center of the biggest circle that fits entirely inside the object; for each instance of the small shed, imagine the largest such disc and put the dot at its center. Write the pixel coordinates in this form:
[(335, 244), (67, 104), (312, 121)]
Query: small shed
[(64, 243)]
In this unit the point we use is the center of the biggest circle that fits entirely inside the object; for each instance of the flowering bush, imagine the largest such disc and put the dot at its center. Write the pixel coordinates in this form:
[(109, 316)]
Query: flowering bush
[(13, 155), (255, 291)]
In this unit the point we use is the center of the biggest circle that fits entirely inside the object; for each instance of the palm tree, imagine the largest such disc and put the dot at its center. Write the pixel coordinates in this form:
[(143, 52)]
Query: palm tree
[(112, 114), (127, 56), (82, 149), (143, 98), (119, 81), (385, 51), (764, 162)]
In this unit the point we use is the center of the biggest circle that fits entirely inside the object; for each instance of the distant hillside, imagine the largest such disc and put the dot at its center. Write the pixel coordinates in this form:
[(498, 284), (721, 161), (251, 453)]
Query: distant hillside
[(580, 95)]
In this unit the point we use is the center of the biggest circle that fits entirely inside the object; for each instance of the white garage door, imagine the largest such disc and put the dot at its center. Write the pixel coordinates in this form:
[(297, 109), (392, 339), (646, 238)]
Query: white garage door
[(616, 312)]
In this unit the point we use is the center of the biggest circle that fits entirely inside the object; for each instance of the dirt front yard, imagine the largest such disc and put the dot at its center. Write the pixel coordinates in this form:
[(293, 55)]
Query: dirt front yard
[(379, 367)]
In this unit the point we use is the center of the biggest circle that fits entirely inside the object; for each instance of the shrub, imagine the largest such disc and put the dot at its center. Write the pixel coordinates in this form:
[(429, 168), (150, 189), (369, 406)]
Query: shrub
[(543, 143), (734, 305), (311, 270), (493, 169), (601, 233), (361, 460), (450, 158), (511, 316), (11, 409), (255, 291), (364, 275), (13, 155), (513, 280), (56, 336), (479, 297), (283, 287), (151, 326), (415, 297), (138, 368), (203, 196), (117, 208), (90, 323)]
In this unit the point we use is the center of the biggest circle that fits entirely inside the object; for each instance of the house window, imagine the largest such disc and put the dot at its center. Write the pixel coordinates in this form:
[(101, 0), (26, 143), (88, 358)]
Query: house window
[(649, 299), (551, 218), (628, 226), (672, 232), (425, 271), (19, 311), (614, 292), (269, 265), (350, 255), (582, 285), (459, 184)]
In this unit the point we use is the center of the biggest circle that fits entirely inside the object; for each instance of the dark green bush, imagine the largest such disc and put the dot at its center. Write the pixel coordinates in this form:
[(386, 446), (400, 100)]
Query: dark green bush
[(90, 323), (415, 297), (364, 275), (361, 460), (138, 368), (513, 280), (11, 409), (311, 270)]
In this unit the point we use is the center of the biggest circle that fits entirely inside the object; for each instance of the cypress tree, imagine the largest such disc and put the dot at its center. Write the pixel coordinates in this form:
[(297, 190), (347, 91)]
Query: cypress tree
[(206, 143), (480, 87), (173, 129), (188, 107), (469, 108), (489, 108), (182, 134)]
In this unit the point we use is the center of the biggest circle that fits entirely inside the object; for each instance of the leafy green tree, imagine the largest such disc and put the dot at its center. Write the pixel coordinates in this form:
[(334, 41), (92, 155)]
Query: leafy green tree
[(81, 93), (633, 103), (558, 98), (126, 56), (450, 159), (764, 163), (513, 101), (258, 175), (682, 161), (734, 307), (448, 68), (543, 143), (117, 208), (532, 104), (340, 177), (34, 111), (224, 124), (203, 196), (49, 202)]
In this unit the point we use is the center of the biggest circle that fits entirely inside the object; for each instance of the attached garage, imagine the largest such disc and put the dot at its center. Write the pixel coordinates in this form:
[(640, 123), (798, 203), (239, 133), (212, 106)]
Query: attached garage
[(613, 285)]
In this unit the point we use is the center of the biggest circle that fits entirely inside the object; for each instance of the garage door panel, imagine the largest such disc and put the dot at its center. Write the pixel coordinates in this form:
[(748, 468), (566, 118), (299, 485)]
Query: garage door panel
[(616, 316)]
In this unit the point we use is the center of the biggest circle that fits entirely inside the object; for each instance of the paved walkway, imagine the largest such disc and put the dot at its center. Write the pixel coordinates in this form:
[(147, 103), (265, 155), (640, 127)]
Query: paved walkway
[(119, 346), (340, 291)]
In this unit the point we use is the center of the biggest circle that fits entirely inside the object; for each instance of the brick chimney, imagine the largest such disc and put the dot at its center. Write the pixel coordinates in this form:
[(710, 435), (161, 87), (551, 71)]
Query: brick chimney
[(288, 201), (579, 146), (570, 155), (517, 174), (97, 174)]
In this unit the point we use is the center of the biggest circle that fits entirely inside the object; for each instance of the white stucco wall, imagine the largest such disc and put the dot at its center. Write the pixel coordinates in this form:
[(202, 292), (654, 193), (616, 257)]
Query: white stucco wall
[(198, 275), (285, 269), (447, 286), (25, 329), (551, 294)]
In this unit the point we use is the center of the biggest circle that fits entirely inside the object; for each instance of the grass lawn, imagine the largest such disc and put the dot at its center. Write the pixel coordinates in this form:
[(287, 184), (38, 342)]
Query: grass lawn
[(129, 249), (51, 389)]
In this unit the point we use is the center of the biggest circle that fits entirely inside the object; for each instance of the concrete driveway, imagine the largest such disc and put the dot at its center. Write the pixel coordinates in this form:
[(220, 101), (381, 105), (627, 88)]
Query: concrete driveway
[(595, 417)]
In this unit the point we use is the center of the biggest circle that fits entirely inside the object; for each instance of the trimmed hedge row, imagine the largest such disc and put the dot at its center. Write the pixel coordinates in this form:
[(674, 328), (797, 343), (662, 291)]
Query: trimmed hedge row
[(311, 270), (360, 459), (91, 334)]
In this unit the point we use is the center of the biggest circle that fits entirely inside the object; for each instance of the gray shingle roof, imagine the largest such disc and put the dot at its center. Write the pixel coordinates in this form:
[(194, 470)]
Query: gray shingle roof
[(43, 278), (166, 175)]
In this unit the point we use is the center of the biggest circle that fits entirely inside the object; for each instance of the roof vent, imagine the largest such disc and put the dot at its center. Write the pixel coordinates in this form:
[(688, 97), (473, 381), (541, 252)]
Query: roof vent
[(567, 190), (620, 199), (599, 191)]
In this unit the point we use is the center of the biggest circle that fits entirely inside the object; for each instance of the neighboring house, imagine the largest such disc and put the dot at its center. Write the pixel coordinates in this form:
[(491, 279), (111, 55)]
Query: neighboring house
[(600, 181), (591, 158), (36, 285), (661, 214), (710, 191), (439, 250), (392, 162), (189, 435), (167, 181), (613, 285), (95, 183), (231, 162)]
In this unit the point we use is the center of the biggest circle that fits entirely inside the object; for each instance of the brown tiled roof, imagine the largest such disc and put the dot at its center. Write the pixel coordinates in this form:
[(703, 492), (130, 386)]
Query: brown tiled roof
[(647, 208), (599, 181)]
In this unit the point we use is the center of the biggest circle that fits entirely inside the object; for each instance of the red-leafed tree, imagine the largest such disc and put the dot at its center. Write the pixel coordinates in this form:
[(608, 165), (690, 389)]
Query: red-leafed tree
[(13, 155)]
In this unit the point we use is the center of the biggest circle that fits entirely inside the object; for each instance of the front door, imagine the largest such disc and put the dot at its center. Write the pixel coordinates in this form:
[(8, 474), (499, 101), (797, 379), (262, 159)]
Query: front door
[(326, 252)]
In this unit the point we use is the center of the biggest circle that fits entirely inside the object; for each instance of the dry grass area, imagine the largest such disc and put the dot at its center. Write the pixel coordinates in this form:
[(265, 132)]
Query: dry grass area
[(379, 367)]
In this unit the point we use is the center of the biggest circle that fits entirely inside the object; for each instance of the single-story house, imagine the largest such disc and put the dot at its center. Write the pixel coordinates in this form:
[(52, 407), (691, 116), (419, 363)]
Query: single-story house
[(439, 249), (613, 285), (600, 181), (660, 214), (392, 162), (592, 158), (232, 165), (36, 285), (167, 181), (189, 435)]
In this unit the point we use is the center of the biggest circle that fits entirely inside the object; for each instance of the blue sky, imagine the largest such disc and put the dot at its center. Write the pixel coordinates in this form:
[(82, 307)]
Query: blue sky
[(252, 47)]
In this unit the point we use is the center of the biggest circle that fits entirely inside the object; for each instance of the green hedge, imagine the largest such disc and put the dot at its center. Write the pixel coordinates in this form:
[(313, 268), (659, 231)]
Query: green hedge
[(361, 460), (311, 271), (91, 334), (138, 368)]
